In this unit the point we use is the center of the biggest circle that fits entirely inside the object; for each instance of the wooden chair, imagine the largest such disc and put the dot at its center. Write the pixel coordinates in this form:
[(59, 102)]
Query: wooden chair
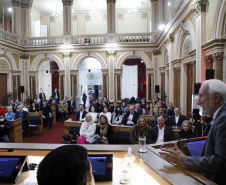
[(15, 135), (39, 126)]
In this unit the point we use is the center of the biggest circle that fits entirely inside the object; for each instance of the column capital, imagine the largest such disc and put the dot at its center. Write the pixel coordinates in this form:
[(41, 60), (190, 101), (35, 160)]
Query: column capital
[(177, 68), (27, 4), (111, 1), (156, 52), (209, 58), (16, 3), (110, 53), (67, 54), (199, 6), (218, 56), (24, 56), (193, 62), (170, 38), (67, 2)]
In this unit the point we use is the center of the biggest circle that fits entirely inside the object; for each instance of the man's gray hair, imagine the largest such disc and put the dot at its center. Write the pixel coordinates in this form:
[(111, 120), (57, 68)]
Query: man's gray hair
[(216, 86)]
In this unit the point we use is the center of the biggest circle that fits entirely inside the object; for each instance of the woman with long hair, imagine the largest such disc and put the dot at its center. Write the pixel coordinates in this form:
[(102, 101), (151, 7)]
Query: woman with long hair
[(147, 110), (106, 113), (104, 131), (93, 114), (87, 131), (186, 131), (124, 107), (140, 129), (34, 108)]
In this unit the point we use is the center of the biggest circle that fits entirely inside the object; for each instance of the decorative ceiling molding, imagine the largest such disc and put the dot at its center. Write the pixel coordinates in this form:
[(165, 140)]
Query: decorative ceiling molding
[(4, 65), (74, 18), (144, 16), (120, 17)]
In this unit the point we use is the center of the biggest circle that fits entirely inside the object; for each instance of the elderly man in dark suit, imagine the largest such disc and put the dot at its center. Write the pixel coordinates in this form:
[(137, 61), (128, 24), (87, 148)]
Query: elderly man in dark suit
[(161, 133), (177, 119), (22, 115), (212, 163), (80, 115), (130, 118), (161, 114)]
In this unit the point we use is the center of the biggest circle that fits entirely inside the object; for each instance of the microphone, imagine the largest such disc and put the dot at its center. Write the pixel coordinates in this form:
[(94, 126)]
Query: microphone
[(9, 150)]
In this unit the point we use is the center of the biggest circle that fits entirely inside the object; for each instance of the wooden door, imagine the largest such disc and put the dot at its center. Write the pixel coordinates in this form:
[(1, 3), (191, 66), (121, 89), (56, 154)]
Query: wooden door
[(3, 89), (189, 89)]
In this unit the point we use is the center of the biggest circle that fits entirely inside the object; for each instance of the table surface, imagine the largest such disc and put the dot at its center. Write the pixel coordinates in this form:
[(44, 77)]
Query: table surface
[(149, 168)]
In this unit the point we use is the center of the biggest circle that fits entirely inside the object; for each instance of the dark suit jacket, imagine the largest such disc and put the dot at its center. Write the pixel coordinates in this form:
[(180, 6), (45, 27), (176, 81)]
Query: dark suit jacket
[(165, 116), (84, 97), (139, 111), (135, 118), (73, 104), (168, 134), (212, 164), (171, 112), (179, 123), (40, 96), (78, 115), (24, 118), (112, 109), (109, 133)]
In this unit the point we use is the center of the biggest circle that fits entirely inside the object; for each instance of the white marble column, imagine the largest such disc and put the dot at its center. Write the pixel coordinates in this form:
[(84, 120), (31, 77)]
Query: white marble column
[(156, 59), (16, 17), (111, 20), (26, 18), (111, 82), (67, 20), (67, 79), (218, 65), (200, 9), (154, 15)]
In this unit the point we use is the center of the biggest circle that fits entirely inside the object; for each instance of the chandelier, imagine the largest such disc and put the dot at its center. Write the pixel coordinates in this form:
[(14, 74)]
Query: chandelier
[(132, 11)]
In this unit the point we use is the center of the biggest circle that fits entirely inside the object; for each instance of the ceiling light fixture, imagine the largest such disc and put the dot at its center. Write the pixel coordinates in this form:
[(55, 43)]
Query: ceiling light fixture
[(56, 14), (132, 11), (161, 27), (94, 13), (10, 9)]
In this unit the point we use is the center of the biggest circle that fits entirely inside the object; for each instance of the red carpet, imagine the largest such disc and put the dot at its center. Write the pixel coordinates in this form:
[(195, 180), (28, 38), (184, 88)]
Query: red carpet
[(51, 136)]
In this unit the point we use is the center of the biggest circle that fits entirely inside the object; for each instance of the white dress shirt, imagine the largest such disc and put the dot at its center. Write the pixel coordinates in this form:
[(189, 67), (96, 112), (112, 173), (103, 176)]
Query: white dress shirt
[(80, 118), (89, 132), (176, 118), (161, 135), (130, 119), (94, 116)]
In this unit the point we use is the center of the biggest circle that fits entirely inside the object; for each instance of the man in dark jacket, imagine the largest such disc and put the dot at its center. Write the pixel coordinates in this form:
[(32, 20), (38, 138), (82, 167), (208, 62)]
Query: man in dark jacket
[(80, 115), (161, 133), (84, 98), (161, 114), (177, 119), (113, 108), (4, 128), (47, 113), (22, 115), (130, 118), (71, 106)]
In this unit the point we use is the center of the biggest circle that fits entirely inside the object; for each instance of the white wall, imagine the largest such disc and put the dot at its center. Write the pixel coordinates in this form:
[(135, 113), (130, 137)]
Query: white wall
[(45, 79), (132, 23), (34, 17), (56, 26), (97, 25)]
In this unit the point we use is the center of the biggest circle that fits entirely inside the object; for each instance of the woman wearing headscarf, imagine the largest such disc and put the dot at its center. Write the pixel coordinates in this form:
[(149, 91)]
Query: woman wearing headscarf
[(140, 129), (104, 131), (87, 131)]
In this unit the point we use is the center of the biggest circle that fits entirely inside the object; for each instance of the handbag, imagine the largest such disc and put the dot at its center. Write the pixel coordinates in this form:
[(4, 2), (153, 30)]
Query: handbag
[(98, 141)]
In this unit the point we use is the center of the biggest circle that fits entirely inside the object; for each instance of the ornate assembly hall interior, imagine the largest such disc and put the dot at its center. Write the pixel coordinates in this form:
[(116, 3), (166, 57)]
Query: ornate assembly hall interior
[(115, 49)]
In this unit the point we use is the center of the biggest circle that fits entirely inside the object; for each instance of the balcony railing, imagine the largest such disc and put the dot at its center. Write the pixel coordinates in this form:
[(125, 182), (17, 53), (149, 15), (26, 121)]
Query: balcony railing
[(79, 39)]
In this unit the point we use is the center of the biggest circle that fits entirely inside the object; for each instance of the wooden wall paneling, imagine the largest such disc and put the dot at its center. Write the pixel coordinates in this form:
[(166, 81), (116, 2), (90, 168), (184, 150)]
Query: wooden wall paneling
[(119, 87), (34, 86), (75, 85), (149, 86), (104, 86), (3, 89), (189, 89), (176, 87), (162, 83), (30, 84), (62, 87)]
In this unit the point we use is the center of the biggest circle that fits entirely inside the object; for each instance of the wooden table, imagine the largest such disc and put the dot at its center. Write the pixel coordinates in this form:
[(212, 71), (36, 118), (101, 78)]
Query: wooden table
[(15, 135), (149, 169)]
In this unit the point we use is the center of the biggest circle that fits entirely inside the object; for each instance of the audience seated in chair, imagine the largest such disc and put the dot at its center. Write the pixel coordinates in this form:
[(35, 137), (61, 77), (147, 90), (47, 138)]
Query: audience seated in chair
[(117, 119), (63, 109), (130, 118), (56, 95), (114, 107), (93, 114), (29, 100), (133, 100), (177, 119), (107, 114), (161, 133), (37, 100), (4, 128), (171, 109), (9, 115), (104, 131), (16, 104), (140, 129), (13, 108), (138, 110), (47, 113), (161, 114), (124, 108), (186, 131), (163, 105), (143, 103), (203, 128), (34, 108), (71, 106), (147, 110), (80, 115), (22, 115), (87, 131), (66, 165)]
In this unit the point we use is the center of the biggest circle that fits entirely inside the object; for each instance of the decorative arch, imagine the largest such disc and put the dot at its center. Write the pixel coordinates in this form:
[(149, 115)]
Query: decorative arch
[(186, 46), (40, 58), (219, 19), (138, 54), (77, 61), (9, 58), (186, 29)]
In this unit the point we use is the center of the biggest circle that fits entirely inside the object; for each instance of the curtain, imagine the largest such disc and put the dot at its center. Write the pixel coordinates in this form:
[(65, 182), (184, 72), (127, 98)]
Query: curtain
[(129, 81)]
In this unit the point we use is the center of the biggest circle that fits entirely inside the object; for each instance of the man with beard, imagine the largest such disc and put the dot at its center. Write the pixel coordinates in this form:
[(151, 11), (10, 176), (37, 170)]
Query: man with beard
[(212, 163), (203, 128)]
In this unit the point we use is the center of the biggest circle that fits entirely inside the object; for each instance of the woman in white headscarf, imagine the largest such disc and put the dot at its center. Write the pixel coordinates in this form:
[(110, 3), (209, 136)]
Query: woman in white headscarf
[(87, 131)]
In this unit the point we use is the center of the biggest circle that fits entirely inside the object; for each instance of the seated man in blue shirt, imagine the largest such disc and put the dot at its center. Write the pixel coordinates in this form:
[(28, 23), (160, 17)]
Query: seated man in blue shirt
[(9, 115)]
